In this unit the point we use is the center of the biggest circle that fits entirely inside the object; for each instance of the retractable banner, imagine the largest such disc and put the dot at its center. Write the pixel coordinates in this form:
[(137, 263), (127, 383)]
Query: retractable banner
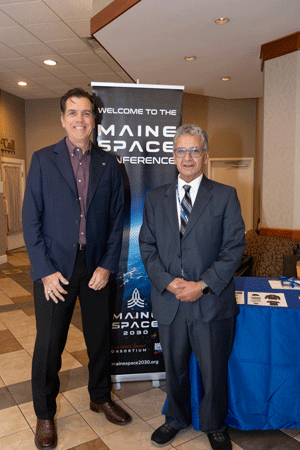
[(137, 123)]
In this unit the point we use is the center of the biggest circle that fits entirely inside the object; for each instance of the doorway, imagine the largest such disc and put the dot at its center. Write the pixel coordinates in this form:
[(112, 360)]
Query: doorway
[(13, 176)]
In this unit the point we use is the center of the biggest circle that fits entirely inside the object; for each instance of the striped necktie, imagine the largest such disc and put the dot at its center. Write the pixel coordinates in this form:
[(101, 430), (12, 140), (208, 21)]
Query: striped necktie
[(185, 210)]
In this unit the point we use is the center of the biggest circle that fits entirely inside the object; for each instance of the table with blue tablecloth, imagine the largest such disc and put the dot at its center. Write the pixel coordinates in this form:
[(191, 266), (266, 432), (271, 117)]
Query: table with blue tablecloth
[(264, 367)]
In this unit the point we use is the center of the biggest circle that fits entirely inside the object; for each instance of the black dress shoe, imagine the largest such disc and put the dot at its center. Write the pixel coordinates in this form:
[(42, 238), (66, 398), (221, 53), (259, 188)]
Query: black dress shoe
[(164, 435), (45, 435), (219, 440), (113, 412)]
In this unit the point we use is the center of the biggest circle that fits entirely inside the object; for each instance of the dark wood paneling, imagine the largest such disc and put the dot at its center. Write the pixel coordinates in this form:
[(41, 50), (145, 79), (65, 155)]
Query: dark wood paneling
[(110, 13), (280, 47), (280, 232)]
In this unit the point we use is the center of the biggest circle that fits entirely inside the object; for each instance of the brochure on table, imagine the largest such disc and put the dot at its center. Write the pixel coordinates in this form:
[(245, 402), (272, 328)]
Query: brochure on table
[(266, 299), (273, 299), (240, 297), (278, 284)]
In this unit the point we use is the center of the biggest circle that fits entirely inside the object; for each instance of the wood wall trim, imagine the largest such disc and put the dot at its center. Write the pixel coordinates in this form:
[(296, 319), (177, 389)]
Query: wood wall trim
[(280, 232), (280, 47), (110, 13)]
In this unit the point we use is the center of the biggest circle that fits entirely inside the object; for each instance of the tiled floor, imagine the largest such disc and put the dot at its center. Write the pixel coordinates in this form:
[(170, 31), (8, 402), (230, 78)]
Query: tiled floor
[(78, 427)]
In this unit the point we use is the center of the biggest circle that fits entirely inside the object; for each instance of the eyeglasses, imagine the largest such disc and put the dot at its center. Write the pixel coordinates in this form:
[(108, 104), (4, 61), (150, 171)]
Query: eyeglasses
[(195, 152)]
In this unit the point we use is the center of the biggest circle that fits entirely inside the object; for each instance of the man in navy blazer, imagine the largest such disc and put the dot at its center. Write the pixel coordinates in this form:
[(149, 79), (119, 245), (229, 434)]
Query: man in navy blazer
[(192, 242), (73, 225)]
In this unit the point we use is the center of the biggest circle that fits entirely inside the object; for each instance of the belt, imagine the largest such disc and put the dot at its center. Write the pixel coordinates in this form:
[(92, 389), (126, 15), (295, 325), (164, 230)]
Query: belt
[(81, 246)]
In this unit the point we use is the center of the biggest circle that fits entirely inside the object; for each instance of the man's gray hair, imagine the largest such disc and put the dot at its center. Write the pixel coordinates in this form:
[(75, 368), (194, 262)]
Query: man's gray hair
[(192, 130)]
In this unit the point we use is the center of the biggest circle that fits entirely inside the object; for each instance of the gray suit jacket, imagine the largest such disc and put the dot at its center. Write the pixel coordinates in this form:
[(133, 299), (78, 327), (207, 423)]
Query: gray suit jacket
[(211, 249)]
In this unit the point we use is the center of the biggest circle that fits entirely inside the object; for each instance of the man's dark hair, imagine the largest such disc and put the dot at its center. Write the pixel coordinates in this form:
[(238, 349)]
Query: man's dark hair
[(79, 93)]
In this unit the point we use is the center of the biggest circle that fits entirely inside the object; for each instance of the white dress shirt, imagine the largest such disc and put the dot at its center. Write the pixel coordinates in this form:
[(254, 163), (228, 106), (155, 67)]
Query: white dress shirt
[(193, 192)]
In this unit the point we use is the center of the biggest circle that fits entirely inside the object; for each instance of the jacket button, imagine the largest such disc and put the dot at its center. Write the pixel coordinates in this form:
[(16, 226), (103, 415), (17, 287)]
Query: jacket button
[(74, 244), (178, 256), (76, 221)]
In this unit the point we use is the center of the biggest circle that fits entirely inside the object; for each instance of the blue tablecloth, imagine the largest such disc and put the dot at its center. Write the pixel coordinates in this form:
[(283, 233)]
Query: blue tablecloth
[(264, 367)]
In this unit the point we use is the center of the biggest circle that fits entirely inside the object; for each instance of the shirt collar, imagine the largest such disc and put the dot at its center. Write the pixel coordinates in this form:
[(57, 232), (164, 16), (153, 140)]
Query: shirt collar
[(71, 147), (194, 184)]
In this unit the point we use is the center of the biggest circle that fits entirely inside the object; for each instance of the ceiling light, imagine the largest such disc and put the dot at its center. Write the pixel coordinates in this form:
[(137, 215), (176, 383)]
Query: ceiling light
[(226, 78), (190, 58), (222, 21), (49, 62), (22, 83)]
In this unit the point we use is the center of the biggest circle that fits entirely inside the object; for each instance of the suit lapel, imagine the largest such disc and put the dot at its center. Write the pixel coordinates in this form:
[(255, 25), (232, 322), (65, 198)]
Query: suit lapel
[(98, 165), (61, 159), (170, 203), (202, 199)]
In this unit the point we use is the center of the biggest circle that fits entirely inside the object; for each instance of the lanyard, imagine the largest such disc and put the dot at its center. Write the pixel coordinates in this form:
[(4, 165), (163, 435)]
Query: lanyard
[(293, 282)]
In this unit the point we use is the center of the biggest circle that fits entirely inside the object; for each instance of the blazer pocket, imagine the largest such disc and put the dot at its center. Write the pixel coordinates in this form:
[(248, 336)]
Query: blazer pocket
[(217, 213), (216, 219)]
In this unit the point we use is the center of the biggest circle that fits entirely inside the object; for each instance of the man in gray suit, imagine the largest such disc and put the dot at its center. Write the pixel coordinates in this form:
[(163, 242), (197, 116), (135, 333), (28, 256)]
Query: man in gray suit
[(192, 242)]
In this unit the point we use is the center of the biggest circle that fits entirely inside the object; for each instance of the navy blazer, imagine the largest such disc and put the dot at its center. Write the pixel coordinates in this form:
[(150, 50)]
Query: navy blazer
[(211, 249), (51, 212)]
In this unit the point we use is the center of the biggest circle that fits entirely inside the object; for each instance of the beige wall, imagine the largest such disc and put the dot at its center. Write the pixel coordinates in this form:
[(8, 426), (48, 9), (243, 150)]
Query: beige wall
[(2, 233), (98, 5), (43, 125), (3, 258), (12, 126), (230, 124), (12, 123), (234, 129), (258, 162), (281, 143)]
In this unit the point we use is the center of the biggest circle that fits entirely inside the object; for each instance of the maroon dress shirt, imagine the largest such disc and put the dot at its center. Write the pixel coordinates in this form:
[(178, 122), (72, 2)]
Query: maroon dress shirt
[(81, 168)]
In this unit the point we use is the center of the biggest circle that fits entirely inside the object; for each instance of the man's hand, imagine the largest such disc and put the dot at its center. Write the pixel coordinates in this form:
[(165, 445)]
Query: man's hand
[(176, 286), (187, 291), (99, 279), (53, 288)]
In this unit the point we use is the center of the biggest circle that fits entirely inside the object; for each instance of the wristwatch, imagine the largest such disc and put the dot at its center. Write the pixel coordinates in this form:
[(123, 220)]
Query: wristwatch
[(206, 290)]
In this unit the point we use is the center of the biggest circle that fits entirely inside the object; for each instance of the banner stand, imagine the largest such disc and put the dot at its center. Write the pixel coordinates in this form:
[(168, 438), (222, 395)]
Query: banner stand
[(155, 377), (137, 124)]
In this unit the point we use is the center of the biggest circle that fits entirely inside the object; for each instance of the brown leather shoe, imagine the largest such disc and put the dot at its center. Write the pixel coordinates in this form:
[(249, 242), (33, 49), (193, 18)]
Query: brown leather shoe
[(45, 435), (113, 412)]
